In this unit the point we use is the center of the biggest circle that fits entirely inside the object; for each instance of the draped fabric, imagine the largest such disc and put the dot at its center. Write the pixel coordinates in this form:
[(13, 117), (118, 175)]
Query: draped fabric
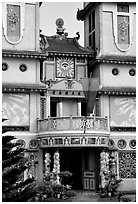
[(90, 87)]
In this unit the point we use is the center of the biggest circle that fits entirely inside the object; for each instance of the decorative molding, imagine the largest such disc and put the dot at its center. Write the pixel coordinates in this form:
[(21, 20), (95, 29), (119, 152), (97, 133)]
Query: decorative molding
[(122, 144), (132, 144), (123, 129), (111, 144), (114, 60), (32, 55), (15, 128), (21, 142), (73, 141), (33, 144), (15, 88)]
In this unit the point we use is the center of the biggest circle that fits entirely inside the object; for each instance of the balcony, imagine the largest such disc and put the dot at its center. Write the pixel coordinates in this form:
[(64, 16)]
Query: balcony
[(73, 124), (73, 132)]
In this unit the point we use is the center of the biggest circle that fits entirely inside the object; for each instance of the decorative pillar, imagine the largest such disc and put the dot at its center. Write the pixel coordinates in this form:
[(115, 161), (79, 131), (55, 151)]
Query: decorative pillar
[(56, 168), (79, 108), (47, 105), (47, 165), (33, 160), (104, 168)]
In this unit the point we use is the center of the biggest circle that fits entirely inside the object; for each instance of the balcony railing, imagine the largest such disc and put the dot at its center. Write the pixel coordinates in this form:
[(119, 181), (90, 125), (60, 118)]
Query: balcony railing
[(55, 124)]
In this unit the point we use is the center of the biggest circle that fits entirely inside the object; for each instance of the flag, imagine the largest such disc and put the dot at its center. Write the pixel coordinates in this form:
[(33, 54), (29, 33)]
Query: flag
[(90, 87)]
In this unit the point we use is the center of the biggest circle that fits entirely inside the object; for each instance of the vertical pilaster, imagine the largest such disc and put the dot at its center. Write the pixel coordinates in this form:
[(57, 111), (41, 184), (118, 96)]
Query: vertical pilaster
[(47, 105)]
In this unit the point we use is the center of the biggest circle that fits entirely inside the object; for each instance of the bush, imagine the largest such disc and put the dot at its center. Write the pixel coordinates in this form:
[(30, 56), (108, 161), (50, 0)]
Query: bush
[(52, 191)]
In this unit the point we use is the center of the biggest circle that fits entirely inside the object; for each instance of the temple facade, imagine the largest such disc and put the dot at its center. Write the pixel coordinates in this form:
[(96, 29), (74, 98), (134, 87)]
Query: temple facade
[(50, 82)]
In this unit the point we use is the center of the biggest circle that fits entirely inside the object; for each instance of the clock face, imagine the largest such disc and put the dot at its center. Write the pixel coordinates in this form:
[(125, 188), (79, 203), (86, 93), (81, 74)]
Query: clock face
[(65, 67)]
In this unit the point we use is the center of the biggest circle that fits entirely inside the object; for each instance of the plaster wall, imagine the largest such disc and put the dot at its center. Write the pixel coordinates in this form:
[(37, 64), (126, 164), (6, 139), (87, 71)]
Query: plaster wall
[(14, 75), (110, 80), (30, 40), (108, 30)]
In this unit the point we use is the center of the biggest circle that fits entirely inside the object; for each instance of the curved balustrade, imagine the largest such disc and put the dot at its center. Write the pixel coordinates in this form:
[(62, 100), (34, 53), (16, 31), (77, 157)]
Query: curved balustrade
[(72, 124)]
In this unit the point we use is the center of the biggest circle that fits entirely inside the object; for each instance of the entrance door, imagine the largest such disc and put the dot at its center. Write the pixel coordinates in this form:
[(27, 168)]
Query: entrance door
[(89, 180), (90, 168)]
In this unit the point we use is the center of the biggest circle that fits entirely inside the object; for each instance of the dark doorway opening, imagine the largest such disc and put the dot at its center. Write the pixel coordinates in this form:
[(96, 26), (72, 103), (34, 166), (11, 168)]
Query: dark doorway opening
[(79, 162), (71, 160)]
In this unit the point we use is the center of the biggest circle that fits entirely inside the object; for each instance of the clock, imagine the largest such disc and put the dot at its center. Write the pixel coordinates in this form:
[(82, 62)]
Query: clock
[(65, 68)]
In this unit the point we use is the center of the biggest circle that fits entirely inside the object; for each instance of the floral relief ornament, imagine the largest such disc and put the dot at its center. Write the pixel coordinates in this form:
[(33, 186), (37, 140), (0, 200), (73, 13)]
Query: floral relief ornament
[(13, 18), (123, 27)]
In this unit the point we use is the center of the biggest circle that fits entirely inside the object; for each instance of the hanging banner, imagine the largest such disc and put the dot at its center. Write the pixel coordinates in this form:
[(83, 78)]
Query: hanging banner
[(90, 87)]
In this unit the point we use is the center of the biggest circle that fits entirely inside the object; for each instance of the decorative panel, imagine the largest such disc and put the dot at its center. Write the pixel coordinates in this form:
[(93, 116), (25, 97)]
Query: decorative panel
[(48, 71), (13, 21), (16, 109), (65, 67), (123, 111), (123, 29), (127, 165)]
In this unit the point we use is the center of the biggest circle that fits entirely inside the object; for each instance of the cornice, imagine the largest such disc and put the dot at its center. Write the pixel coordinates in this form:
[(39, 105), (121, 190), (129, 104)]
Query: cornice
[(24, 54), (114, 60), (42, 55), (23, 88)]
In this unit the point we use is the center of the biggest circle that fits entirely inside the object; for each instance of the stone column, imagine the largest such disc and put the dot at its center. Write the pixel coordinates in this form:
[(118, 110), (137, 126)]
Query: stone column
[(79, 108), (60, 108)]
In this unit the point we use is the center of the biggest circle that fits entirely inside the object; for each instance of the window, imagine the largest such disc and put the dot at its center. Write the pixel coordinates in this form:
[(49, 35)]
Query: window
[(92, 30), (115, 71), (4, 66), (132, 72), (23, 67)]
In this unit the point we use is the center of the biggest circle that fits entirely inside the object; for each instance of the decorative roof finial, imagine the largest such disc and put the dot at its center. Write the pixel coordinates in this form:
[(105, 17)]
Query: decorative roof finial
[(60, 23)]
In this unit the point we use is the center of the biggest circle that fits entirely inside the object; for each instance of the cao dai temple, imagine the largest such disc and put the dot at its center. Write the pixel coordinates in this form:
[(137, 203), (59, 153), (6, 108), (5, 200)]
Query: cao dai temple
[(72, 107)]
